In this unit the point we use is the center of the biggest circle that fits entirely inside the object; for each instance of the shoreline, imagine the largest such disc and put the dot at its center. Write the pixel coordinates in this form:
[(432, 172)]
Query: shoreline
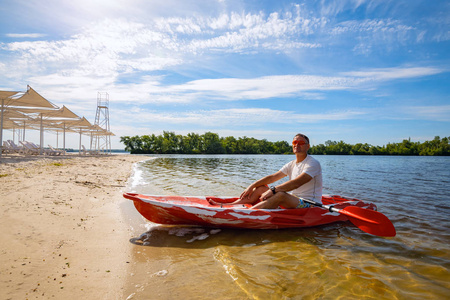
[(64, 235)]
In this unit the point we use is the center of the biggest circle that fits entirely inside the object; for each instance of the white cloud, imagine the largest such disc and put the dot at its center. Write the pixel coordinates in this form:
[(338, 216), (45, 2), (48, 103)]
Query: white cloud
[(102, 53), (150, 89), (77, 89), (158, 41), (419, 113), (101, 68), (107, 49), (433, 113), (112, 47), (395, 73), (263, 87), (372, 26), (333, 8), (375, 34), (236, 117), (233, 89), (237, 32), (25, 35)]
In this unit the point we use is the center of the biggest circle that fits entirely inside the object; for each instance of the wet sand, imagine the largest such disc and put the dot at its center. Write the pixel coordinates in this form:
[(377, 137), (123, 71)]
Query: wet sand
[(63, 235)]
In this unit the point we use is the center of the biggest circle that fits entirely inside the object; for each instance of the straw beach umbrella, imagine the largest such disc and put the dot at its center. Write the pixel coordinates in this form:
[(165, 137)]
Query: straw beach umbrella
[(30, 98), (82, 126), (4, 96), (51, 118), (16, 120)]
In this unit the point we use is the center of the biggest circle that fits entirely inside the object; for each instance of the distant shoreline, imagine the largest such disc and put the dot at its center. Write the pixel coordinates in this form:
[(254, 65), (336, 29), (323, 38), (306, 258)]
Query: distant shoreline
[(212, 143)]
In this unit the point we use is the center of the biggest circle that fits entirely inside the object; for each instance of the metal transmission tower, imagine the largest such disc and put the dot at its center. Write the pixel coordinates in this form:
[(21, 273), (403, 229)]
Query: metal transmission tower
[(101, 137)]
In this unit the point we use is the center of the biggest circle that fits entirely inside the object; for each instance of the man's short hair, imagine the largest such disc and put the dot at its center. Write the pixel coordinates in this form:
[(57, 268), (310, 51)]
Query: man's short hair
[(303, 136)]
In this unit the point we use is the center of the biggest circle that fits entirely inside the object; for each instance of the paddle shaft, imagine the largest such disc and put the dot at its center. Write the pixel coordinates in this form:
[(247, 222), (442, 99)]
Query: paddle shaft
[(330, 208)]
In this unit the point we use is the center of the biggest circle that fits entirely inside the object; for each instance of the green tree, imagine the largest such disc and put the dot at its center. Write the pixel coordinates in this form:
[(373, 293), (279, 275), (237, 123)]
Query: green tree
[(230, 145), (212, 143)]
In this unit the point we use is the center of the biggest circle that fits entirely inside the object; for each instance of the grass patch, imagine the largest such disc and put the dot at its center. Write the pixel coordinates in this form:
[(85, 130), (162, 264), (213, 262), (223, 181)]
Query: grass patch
[(57, 164), (3, 175)]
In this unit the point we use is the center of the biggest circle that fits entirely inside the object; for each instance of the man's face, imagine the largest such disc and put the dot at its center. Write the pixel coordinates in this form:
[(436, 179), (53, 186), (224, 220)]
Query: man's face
[(300, 144)]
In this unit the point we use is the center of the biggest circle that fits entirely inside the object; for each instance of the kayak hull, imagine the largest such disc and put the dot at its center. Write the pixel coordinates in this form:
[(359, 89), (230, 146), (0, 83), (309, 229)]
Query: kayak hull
[(217, 212)]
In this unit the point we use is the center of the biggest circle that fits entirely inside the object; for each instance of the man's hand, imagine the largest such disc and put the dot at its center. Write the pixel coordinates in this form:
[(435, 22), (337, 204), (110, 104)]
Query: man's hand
[(266, 195), (247, 193)]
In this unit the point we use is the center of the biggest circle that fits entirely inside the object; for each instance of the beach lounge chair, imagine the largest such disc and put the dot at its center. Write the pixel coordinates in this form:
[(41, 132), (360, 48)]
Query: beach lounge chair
[(53, 151), (44, 150), (13, 148), (30, 148), (6, 148), (83, 150), (94, 152), (86, 152), (36, 147)]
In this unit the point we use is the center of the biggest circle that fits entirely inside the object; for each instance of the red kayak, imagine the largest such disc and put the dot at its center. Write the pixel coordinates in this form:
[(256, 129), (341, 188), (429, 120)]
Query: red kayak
[(217, 212)]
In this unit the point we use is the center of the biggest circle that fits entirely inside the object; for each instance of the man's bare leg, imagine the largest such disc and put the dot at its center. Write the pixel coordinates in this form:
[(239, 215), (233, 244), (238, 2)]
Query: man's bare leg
[(254, 197), (279, 199)]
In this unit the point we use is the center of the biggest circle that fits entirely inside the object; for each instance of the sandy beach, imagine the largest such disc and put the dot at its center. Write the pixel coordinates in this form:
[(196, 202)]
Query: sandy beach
[(63, 235)]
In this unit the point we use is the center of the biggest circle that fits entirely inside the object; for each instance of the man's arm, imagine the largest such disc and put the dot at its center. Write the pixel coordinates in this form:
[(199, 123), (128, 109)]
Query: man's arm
[(263, 181), (294, 183), (288, 185)]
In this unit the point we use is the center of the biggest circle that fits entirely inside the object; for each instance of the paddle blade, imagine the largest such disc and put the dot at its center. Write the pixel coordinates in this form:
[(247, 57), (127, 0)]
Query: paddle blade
[(369, 221)]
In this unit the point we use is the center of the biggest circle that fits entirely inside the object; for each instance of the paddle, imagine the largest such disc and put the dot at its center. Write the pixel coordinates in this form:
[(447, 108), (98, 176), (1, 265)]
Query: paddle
[(367, 220)]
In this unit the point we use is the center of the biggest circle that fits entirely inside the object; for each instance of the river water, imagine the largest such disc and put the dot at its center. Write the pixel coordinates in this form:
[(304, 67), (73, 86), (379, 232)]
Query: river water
[(335, 261)]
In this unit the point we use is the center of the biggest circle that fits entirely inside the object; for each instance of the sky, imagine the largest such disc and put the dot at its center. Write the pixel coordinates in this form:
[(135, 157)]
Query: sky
[(359, 71)]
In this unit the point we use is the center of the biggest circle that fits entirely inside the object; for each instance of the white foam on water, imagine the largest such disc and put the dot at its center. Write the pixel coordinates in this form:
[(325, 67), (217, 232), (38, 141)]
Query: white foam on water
[(182, 231), (136, 178), (201, 237), (131, 296), (161, 273), (151, 226)]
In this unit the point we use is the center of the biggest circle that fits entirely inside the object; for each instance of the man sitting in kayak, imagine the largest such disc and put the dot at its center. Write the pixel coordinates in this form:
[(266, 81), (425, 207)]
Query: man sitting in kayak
[(305, 181)]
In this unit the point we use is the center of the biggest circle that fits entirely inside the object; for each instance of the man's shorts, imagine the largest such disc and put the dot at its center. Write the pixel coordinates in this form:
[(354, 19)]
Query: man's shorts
[(302, 204)]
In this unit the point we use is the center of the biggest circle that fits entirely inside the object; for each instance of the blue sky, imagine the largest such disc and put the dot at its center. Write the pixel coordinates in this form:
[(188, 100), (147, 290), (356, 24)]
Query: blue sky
[(358, 71)]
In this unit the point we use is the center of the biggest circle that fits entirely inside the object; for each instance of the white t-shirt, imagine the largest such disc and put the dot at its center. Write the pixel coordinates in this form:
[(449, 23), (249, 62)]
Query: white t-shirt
[(312, 189)]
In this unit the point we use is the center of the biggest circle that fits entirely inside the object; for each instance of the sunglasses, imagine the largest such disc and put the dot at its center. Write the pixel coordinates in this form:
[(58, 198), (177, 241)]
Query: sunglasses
[(301, 143)]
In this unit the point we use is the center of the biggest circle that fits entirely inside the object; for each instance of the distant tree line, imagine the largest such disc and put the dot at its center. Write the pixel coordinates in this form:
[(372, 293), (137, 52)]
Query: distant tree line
[(211, 143), (435, 147), (208, 143)]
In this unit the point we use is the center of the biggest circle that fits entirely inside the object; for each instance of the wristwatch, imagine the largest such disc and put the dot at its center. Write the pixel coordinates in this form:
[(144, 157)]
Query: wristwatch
[(272, 188)]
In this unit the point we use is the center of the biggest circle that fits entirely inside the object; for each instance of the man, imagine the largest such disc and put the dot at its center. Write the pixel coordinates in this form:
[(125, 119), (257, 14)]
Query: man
[(305, 181)]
